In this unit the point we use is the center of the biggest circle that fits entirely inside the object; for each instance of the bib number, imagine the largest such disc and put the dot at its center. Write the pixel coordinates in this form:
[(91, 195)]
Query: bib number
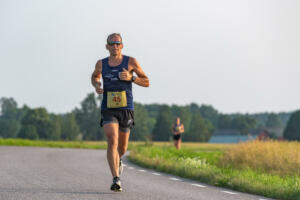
[(116, 99)]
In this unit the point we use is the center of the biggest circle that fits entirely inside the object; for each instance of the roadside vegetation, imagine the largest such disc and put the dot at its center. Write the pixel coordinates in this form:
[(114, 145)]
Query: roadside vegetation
[(270, 168), (278, 158), (60, 144)]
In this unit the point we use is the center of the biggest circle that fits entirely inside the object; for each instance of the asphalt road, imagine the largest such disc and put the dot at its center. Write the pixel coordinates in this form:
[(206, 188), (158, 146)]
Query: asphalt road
[(29, 173)]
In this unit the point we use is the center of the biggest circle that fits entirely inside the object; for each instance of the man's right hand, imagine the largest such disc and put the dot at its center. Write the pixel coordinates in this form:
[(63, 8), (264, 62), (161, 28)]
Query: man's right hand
[(99, 90)]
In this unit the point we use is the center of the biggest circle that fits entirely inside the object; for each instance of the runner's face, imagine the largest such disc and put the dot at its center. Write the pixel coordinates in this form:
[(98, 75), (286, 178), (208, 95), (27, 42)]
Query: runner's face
[(114, 45)]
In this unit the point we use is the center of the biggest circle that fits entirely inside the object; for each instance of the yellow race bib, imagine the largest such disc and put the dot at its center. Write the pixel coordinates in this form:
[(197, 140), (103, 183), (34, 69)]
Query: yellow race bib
[(116, 99)]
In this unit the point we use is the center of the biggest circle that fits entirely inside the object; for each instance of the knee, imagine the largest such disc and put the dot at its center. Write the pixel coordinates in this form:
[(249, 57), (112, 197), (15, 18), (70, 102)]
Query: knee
[(112, 142), (122, 150)]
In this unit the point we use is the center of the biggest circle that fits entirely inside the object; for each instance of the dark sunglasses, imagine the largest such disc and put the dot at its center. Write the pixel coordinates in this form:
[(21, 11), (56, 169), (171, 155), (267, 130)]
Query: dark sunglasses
[(114, 42)]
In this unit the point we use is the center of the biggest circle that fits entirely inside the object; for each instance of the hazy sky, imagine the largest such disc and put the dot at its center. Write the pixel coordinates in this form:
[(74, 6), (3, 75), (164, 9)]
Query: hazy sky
[(236, 55)]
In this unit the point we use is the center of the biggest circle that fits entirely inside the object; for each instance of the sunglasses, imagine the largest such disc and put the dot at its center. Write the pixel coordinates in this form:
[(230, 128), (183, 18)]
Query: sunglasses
[(114, 42)]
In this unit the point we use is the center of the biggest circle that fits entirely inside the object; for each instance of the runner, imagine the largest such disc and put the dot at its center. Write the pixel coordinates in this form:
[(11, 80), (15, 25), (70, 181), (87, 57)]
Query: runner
[(117, 116), (177, 130)]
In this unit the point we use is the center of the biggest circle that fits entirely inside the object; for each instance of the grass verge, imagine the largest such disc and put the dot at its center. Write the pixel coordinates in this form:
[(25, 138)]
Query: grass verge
[(57, 144), (61, 144), (202, 165)]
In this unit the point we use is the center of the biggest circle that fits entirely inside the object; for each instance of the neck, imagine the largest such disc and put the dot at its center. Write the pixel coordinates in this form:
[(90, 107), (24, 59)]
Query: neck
[(116, 57)]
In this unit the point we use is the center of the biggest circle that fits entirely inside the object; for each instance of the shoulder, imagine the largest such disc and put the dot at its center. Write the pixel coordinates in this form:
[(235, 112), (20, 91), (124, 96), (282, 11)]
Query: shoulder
[(98, 66), (132, 60), (99, 63)]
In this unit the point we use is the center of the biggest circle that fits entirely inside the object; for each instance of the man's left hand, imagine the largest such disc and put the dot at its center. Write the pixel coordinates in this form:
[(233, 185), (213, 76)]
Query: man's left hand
[(125, 75)]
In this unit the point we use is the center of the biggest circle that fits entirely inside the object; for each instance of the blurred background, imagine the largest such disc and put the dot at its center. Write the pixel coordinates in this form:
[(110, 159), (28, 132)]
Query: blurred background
[(234, 65)]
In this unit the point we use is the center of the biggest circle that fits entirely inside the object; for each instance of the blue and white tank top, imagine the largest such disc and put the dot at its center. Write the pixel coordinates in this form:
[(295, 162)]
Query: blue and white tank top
[(117, 93)]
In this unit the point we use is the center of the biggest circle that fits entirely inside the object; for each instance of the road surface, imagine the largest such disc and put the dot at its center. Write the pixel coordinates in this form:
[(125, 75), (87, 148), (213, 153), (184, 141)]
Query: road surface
[(32, 173)]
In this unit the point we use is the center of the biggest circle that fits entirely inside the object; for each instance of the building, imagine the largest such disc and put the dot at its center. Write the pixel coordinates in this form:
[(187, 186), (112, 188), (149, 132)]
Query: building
[(235, 136)]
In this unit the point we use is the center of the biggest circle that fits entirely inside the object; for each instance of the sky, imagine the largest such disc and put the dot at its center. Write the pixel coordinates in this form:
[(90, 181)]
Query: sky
[(236, 55)]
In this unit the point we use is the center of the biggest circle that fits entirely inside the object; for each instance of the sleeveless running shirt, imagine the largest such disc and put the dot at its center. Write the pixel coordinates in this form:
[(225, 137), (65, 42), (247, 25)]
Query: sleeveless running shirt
[(117, 93)]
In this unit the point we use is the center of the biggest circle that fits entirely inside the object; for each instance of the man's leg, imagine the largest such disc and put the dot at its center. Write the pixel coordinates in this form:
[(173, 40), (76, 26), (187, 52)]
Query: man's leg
[(111, 131), (123, 142)]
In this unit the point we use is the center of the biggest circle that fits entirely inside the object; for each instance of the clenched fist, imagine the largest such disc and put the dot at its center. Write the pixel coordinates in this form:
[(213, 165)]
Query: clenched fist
[(98, 88), (125, 75)]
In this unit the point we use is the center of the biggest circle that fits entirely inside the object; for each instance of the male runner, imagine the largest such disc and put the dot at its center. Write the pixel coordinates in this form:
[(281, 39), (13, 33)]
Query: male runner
[(117, 105)]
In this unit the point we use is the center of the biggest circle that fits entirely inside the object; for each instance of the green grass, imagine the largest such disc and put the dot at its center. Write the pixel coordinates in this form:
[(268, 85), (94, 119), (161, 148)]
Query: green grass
[(60, 144), (57, 144), (202, 165)]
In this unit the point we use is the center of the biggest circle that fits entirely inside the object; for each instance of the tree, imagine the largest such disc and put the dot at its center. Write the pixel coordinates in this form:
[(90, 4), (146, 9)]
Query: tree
[(140, 130), (28, 132), (162, 130), (200, 129), (243, 123), (9, 124), (224, 122), (153, 110), (208, 112), (70, 128), (292, 130), (55, 127), (8, 107), (88, 118), (273, 121), (9, 128), (194, 107), (40, 119)]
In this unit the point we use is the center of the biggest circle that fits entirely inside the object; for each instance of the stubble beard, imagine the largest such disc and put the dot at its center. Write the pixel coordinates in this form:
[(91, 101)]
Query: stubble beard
[(115, 53)]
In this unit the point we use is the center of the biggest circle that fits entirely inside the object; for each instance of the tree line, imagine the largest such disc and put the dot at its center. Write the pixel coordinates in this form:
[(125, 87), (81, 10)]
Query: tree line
[(152, 122)]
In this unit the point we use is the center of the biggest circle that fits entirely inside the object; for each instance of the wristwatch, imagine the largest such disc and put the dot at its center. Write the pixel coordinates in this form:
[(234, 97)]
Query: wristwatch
[(133, 78)]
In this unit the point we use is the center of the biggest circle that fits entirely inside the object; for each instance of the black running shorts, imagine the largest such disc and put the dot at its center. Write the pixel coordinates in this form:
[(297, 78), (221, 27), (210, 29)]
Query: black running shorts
[(125, 118), (177, 137)]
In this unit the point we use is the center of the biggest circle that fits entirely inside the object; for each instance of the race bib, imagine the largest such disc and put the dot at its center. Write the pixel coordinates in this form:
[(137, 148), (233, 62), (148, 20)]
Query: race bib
[(116, 99)]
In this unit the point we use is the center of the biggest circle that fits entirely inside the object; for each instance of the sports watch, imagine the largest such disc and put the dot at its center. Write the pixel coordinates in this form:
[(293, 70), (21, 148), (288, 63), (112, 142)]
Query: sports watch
[(133, 78)]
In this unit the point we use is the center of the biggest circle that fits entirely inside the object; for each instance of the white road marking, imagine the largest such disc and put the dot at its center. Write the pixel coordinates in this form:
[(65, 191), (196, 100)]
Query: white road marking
[(228, 192), (157, 174), (174, 179), (197, 185)]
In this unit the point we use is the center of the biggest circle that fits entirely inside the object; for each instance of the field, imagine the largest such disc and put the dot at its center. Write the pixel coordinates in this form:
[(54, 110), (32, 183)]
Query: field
[(270, 168)]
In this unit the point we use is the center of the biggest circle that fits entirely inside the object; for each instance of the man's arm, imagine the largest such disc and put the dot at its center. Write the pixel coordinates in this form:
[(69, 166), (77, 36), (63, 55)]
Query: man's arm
[(141, 78), (96, 77)]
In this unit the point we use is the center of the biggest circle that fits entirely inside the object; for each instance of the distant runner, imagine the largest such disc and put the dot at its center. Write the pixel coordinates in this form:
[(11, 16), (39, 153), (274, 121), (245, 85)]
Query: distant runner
[(117, 116), (177, 130)]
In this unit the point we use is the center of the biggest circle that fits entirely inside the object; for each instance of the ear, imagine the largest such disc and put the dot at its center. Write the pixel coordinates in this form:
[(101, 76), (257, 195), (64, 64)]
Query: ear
[(106, 46)]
